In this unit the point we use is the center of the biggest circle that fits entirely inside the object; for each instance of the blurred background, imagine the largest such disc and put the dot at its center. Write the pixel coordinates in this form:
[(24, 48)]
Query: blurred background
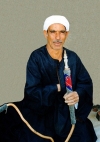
[(21, 24)]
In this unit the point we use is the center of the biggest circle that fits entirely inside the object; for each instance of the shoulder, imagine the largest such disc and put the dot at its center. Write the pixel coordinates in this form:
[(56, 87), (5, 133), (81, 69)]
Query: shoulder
[(37, 53), (71, 54)]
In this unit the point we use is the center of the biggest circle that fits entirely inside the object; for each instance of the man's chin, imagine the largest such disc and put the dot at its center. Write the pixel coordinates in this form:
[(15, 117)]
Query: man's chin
[(57, 47)]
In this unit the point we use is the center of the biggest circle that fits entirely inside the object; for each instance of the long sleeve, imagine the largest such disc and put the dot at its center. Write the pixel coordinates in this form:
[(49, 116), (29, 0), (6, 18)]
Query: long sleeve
[(84, 88), (40, 91)]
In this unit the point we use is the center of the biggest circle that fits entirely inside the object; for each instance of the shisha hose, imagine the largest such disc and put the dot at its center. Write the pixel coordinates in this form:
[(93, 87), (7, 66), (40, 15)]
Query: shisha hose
[(71, 108), (5, 106), (68, 82)]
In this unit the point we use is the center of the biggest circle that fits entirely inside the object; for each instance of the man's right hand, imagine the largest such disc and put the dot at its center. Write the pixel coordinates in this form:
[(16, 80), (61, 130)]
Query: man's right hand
[(58, 87)]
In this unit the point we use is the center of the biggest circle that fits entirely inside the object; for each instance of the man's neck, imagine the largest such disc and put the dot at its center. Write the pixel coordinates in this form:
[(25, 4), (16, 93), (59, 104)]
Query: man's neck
[(55, 54)]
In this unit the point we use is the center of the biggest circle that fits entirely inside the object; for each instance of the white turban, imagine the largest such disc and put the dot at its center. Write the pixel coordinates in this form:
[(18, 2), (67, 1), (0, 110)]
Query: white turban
[(56, 19)]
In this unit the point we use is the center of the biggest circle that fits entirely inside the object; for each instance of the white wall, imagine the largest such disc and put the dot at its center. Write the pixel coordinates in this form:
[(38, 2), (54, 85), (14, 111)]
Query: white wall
[(21, 24)]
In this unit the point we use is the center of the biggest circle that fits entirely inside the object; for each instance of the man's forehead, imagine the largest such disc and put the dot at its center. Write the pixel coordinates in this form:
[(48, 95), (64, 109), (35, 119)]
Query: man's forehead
[(57, 26)]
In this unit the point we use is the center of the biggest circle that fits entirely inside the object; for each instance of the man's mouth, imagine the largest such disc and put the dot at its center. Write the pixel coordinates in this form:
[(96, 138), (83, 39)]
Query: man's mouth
[(57, 42)]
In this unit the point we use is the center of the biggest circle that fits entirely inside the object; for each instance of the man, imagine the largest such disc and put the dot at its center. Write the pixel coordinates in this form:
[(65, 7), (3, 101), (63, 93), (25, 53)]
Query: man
[(46, 102), (45, 91)]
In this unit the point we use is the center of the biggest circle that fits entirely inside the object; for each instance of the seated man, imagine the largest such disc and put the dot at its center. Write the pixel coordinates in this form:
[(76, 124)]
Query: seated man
[(46, 103)]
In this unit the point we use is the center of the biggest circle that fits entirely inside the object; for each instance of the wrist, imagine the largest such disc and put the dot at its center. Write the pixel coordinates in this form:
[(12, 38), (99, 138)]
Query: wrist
[(58, 87)]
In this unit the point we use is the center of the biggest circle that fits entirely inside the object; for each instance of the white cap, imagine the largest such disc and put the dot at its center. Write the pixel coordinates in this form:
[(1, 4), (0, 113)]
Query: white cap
[(56, 19)]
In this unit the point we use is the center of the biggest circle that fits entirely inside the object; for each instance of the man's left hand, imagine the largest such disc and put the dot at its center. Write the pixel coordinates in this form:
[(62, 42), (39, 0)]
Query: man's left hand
[(71, 98)]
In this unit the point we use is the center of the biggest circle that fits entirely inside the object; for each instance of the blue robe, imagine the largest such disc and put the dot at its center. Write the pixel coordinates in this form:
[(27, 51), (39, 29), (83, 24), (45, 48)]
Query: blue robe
[(44, 107)]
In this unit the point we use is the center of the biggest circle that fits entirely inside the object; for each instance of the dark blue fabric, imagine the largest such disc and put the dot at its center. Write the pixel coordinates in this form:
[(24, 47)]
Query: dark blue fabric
[(44, 108)]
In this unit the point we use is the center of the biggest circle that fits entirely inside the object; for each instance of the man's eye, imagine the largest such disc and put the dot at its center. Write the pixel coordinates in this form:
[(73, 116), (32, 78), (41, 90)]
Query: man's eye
[(62, 31), (52, 31)]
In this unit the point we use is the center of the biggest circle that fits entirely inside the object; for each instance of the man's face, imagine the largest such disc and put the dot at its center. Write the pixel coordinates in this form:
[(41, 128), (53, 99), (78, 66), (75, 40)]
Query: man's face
[(56, 36)]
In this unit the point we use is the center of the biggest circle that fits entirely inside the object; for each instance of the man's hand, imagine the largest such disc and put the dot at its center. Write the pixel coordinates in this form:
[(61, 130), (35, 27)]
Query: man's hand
[(58, 87), (71, 98)]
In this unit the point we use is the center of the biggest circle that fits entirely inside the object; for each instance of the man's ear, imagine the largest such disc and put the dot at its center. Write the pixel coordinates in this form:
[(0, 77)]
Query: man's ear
[(45, 33), (67, 33)]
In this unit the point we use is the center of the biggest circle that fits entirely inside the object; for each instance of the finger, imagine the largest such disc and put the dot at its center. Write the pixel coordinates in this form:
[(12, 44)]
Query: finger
[(71, 103), (66, 95), (71, 98), (72, 94)]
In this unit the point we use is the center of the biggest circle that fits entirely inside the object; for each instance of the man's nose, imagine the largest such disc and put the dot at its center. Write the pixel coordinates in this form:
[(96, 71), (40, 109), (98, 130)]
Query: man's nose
[(57, 35)]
